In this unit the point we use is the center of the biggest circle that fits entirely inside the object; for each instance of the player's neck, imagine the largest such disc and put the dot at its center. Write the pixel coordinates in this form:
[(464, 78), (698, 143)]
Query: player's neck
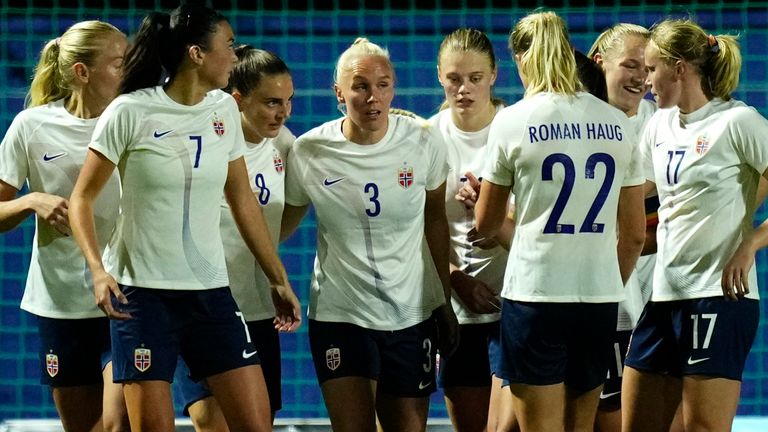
[(186, 89), (361, 136), (473, 122), (78, 106), (691, 101)]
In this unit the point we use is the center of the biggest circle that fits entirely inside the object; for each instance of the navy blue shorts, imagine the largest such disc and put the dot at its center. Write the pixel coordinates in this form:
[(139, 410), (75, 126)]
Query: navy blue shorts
[(402, 361), (73, 352), (205, 327), (610, 398), (475, 360), (267, 342), (708, 336), (551, 343)]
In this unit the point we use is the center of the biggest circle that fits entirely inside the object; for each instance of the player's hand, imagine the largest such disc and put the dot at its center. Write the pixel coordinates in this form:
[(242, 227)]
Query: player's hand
[(469, 192), (287, 308), (735, 280), (52, 209), (106, 290), (475, 294), (478, 241), (447, 329)]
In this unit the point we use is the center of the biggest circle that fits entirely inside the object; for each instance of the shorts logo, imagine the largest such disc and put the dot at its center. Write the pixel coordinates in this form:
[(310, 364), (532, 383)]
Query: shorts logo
[(52, 364), (333, 358), (218, 125), (277, 161), (142, 359), (405, 176), (702, 144)]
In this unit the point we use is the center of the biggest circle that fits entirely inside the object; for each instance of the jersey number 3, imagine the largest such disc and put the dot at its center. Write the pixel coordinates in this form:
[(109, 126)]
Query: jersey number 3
[(553, 225)]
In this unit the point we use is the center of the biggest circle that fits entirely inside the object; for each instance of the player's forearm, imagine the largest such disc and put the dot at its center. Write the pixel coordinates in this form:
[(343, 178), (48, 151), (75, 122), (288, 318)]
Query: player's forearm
[(14, 211), (84, 230), (250, 221), (436, 233), (505, 233), (631, 227)]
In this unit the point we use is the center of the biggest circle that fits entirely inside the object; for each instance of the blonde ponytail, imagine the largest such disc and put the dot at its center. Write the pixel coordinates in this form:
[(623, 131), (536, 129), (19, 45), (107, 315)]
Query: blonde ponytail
[(54, 73), (545, 55)]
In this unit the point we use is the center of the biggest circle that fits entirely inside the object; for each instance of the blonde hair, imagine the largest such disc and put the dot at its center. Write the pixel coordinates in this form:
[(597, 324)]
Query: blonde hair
[(717, 58), (546, 57), (53, 76), (469, 40), (611, 42), (361, 47)]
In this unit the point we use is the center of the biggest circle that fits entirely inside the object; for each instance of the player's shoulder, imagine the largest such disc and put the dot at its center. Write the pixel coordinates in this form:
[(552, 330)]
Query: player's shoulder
[(738, 111), (41, 113), (284, 140), (328, 132)]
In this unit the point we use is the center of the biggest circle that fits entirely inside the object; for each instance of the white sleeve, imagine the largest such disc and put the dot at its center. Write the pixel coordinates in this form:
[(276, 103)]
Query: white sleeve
[(14, 162), (498, 167), (295, 194), (438, 163), (634, 175), (113, 131), (750, 138), (646, 147), (238, 147)]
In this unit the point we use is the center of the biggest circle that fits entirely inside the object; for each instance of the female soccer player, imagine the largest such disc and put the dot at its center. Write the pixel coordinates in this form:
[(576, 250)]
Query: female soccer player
[(77, 76), (620, 52), (473, 392), (178, 145), (262, 86), (704, 153), (377, 183), (573, 164)]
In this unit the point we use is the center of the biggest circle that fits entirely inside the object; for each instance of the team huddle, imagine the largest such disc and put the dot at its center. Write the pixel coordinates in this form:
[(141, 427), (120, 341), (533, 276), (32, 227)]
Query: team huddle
[(580, 260)]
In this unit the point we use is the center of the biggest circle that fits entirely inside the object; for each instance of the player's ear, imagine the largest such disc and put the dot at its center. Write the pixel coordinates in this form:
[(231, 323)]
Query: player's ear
[(339, 95), (238, 98)]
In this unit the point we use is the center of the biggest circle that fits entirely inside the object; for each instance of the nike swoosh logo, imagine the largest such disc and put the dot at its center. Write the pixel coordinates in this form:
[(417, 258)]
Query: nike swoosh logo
[(691, 361), (162, 134), (49, 158), (658, 144), (422, 386), (607, 395), (328, 182), (247, 354)]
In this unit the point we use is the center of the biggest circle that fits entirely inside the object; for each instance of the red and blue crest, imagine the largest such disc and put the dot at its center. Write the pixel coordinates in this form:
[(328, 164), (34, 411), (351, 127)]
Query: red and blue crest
[(405, 176), (142, 359), (218, 125), (277, 160), (702, 145), (52, 364)]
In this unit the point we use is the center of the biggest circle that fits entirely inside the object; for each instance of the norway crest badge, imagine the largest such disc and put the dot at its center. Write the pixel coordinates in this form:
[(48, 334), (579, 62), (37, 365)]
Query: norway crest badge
[(142, 359), (52, 364), (405, 176), (277, 160), (333, 358), (702, 145), (218, 125)]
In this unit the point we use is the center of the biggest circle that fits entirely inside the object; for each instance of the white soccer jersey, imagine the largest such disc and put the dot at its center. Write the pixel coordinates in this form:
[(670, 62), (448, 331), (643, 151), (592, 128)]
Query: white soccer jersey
[(173, 162), (466, 152), (706, 166), (45, 146), (266, 162), (638, 287), (567, 158), (373, 266)]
